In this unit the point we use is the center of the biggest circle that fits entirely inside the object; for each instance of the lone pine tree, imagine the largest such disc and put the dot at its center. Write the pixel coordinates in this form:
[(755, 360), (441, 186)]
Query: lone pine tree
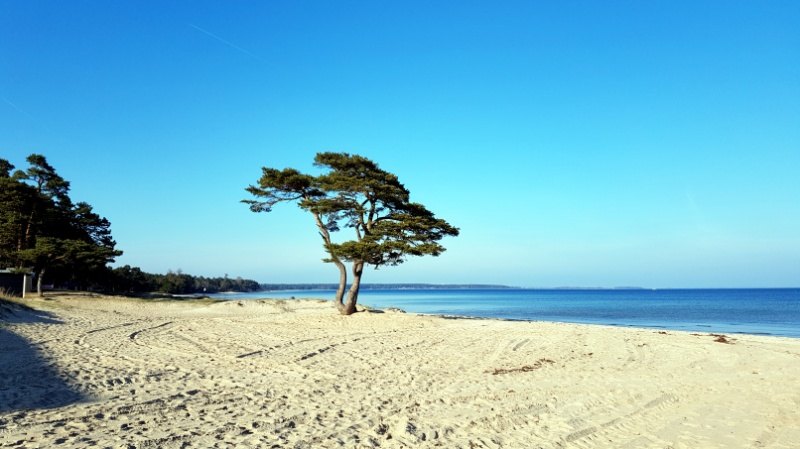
[(355, 193)]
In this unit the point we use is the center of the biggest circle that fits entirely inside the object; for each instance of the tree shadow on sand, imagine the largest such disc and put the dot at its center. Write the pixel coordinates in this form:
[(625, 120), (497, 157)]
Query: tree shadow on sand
[(28, 379)]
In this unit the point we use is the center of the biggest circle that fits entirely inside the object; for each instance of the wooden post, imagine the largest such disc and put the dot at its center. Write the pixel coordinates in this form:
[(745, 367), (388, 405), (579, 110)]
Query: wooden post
[(27, 284)]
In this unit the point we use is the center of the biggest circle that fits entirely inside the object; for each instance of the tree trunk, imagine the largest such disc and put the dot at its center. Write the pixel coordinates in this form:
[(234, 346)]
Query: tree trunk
[(352, 295), (28, 232), (339, 300), (326, 237), (39, 282)]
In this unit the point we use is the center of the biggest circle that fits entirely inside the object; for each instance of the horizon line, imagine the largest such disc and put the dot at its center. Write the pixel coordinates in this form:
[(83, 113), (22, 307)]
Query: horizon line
[(506, 286)]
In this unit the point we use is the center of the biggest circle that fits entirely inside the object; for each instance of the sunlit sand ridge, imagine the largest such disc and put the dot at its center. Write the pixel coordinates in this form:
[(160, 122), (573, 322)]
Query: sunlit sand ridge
[(101, 372)]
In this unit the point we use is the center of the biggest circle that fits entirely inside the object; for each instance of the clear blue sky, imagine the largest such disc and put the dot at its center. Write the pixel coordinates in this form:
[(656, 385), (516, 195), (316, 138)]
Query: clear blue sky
[(574, 143)]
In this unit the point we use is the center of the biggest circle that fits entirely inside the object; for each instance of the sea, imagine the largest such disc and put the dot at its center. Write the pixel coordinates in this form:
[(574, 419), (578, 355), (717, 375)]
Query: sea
[(729, 311)]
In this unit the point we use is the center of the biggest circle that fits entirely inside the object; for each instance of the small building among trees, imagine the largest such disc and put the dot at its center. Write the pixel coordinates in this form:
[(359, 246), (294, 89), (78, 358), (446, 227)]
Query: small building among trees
[(16, 282)]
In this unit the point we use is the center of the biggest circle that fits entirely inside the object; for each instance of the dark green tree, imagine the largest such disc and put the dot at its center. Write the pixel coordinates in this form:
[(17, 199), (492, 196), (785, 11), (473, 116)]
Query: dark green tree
[(40, 226), (127, 279), (176, 282), (289, 185), (5, 168), (45, 179), (19, 204), (354, 192), (92, 233)]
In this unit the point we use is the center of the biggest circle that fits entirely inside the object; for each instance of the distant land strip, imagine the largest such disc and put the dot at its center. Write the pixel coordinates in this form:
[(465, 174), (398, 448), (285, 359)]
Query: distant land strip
[(387, 286)]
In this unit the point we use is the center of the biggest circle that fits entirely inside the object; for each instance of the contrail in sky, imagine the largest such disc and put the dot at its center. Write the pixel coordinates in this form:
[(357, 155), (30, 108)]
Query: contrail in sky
[(228, 43), (25, 113), (20, 110)]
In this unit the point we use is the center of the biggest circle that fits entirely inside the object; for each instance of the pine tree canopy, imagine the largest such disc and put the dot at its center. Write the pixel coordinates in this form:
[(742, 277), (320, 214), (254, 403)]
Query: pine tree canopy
[(355, 193), (41, 228)]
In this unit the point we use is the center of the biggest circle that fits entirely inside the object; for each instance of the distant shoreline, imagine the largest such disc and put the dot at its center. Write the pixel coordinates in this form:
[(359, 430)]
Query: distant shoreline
[(313, 286)]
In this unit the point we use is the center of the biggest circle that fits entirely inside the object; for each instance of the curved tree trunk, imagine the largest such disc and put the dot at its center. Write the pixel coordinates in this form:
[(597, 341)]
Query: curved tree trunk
[(339, 299), (326, 237), (352, 295), (39, 282)]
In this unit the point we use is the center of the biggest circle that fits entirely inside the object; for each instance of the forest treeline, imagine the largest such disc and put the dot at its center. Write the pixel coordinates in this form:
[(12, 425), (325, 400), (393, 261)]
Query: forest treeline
[(68, 245), (127, 279)]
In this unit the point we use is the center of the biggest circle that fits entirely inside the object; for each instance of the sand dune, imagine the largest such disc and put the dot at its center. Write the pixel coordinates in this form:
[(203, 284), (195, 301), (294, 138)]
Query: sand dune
[(111, 372)]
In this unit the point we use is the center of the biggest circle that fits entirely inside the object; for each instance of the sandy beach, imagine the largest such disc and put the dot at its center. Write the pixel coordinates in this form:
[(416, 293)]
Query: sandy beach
[(118, 372)]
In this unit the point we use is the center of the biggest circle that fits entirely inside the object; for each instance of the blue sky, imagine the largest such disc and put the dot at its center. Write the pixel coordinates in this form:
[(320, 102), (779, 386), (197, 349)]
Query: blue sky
[(574, 143)]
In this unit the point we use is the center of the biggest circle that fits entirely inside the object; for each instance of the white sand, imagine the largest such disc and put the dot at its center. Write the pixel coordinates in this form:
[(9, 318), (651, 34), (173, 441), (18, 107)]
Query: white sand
[(293, 374)]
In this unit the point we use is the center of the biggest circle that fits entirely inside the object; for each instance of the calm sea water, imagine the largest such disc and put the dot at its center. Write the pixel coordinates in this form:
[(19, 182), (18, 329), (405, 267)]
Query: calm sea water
[(750, 311)]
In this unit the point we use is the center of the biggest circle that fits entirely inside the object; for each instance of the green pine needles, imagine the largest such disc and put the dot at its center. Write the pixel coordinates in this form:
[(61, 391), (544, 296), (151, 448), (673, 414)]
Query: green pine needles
[(42, 229), (355, 193)]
